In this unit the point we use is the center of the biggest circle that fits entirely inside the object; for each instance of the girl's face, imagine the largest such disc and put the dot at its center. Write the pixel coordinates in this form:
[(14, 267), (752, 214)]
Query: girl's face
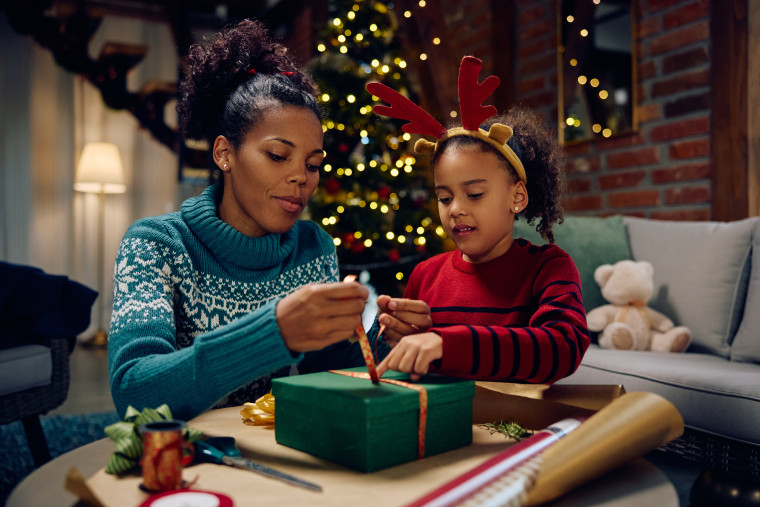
[(271, 176), (476, 202)]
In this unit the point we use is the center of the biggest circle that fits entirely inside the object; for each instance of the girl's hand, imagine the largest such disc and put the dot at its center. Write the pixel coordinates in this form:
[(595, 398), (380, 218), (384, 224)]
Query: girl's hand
[(413, 354), (402, 317), (319, 315)]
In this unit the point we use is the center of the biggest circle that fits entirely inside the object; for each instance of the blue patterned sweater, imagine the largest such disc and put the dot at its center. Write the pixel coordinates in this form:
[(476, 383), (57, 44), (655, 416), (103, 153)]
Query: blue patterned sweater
[(194, 322)]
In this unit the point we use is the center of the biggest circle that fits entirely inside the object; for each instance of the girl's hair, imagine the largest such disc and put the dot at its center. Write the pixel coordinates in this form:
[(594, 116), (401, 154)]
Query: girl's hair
[(232, 79), (541, 156)]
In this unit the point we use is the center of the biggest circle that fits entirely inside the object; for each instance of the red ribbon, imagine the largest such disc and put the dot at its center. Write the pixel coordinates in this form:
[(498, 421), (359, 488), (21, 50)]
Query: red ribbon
[(366, 349), (422, 425), (253, 71)]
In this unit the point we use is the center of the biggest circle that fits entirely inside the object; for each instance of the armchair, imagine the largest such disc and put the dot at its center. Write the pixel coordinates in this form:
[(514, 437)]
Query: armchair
[(40, 316)]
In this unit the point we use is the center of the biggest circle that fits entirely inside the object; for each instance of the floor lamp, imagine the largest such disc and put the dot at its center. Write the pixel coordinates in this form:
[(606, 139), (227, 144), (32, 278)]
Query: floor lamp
[(100, 172)]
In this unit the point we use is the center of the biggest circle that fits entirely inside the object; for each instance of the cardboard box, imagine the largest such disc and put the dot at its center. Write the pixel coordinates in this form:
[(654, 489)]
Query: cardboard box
[(369, 427), (536, 406)]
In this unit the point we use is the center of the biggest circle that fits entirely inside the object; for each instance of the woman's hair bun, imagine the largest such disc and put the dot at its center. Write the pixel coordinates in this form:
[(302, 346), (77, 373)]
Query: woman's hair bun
[(216, 67)]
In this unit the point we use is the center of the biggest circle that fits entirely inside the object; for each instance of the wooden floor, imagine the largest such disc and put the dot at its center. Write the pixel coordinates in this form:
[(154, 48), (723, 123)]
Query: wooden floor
[(89, 390)]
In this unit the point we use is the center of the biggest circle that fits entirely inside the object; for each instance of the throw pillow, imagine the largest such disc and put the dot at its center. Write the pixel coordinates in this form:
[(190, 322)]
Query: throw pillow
[(746, 344), (701, 271), (590, 242)]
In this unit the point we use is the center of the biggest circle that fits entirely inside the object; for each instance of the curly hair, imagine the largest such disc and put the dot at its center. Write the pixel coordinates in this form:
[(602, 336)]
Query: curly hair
[(541, 156), (221, 96)]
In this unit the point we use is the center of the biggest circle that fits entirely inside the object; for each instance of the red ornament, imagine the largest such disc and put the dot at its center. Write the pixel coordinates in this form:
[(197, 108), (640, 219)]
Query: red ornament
[(384, 193), (343, 148), (394, 255), (332, 186), (358, 247)]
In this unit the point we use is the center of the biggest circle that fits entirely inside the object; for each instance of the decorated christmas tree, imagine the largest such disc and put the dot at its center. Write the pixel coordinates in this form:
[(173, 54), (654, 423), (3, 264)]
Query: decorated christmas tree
[(375, 195)]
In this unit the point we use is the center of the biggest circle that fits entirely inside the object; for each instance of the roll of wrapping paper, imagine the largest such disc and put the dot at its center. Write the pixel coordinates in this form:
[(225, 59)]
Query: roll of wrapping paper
[(627, 428), (369, 358), (495, 470)]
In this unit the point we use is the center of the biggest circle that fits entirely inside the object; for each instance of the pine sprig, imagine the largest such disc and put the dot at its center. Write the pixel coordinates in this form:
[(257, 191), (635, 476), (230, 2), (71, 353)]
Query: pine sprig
[(509, 429)]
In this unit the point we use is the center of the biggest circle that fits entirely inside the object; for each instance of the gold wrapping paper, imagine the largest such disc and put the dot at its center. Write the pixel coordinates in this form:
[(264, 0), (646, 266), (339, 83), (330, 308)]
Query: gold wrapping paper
[(627, 428)]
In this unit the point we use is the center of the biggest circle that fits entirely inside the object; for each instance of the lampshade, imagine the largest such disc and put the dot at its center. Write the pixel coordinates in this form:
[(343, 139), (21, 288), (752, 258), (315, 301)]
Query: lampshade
[(100, 169)]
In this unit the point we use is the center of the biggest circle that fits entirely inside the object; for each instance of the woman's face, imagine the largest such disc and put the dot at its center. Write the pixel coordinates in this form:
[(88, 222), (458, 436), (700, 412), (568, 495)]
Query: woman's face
[(271, 176), (476, 202)]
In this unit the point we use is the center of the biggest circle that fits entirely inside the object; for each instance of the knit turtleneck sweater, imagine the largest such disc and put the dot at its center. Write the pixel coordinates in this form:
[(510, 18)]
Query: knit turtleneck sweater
[(194, 322)]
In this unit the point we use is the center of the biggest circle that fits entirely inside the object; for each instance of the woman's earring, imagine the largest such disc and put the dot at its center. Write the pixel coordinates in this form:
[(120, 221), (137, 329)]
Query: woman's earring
[(225, 166), (517, 208)]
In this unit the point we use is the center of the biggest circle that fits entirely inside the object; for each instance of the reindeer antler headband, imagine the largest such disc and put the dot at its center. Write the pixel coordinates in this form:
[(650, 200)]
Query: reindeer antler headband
[(471, 95)]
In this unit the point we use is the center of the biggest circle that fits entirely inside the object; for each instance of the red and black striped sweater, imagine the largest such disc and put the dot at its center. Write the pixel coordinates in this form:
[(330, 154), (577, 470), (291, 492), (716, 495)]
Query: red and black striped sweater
[(517, 318)]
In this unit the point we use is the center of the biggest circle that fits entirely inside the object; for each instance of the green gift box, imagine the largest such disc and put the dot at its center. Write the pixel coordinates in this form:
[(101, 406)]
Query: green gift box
[(367, 426)]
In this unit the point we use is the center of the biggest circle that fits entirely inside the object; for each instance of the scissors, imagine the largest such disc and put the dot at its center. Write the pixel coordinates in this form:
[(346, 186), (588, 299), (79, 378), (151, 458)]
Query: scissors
[(222, 450)]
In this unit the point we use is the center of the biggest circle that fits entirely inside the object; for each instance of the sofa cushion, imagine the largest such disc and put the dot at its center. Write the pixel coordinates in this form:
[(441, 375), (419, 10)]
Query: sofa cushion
[(590, 242), (746, 344), (24, 367), (701, 271), (712, 394)]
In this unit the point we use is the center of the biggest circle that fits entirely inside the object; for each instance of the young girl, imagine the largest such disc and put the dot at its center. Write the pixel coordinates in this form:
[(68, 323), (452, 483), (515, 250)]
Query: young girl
[(502, 308)]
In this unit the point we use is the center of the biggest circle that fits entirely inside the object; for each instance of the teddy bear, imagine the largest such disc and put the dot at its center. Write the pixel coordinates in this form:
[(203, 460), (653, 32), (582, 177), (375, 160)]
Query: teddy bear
[(628, 323)]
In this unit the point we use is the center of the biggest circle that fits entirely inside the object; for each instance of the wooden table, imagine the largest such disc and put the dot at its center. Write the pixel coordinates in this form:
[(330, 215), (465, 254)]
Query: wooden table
[(634, 484)]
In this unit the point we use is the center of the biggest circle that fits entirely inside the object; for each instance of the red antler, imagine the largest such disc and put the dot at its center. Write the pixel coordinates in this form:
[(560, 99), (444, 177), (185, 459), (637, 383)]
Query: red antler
[(402, 108), (472, 94)]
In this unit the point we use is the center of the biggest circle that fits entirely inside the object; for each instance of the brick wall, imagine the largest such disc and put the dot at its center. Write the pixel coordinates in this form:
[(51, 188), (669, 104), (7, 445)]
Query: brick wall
[(663, 170)]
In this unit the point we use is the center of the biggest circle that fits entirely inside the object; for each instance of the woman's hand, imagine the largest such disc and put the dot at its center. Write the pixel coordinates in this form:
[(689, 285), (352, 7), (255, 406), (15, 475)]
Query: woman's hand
[(402, 317), (413, 355), (319, 315)]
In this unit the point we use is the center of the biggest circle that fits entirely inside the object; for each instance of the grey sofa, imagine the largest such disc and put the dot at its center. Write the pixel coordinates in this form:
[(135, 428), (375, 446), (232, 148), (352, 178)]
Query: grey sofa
[(707, 277)]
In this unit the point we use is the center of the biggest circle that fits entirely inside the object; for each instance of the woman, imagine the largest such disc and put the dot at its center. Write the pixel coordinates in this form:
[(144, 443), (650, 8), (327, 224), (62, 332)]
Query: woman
[(214, 301)]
